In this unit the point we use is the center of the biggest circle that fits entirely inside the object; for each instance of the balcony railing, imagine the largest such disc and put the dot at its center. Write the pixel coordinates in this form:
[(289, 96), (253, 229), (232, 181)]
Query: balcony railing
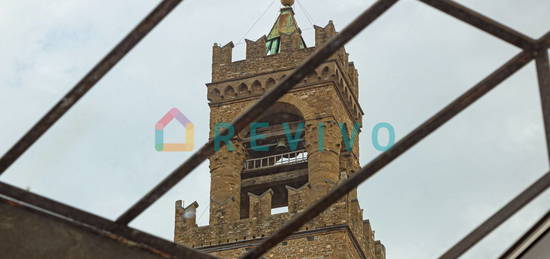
[(295, 157)]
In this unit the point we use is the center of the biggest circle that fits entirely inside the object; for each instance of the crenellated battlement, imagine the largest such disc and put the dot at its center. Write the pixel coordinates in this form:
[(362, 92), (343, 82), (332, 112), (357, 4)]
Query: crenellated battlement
[(323, 34), (256, 49), (262, 223), (298, 198), (222, 55), (251, 77), (292, 53), (260, 205), (255, 63)]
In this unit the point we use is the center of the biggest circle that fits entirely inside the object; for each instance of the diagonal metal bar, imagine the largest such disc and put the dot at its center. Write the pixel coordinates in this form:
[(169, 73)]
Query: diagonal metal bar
[(499, 217), (88, 220), (86, 83), (531, 236), (254, 112), (544, 42), (398, 149), (543, 73), (482, 22)]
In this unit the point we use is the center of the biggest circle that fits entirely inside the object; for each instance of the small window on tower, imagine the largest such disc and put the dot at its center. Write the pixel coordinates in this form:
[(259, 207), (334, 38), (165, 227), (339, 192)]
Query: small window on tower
[(273, 45)]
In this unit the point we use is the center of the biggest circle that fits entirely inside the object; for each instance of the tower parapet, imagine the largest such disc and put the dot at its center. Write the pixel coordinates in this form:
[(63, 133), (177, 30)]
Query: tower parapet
[(323, 34), (222, 55), (233, 81), (260, 205), (256, 49)]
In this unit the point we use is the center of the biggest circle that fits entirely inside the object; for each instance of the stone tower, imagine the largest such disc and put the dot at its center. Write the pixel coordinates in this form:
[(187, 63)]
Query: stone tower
[(301, 147)]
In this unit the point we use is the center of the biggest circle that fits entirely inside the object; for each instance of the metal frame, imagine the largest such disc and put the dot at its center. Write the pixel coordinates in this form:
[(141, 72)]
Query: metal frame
[(530, 50), (97, 224), (543, 75), (530, 239)]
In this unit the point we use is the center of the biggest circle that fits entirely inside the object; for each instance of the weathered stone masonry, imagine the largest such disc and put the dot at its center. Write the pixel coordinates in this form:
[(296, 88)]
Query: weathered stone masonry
[(246, 184)]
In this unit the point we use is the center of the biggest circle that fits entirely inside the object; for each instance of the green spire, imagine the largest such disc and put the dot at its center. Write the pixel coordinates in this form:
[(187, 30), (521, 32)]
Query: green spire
[(285, 24)]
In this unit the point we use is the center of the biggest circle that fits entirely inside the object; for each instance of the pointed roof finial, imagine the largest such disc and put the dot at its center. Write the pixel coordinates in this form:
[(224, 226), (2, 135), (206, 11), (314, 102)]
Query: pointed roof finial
[(286, 23), (287, 2)]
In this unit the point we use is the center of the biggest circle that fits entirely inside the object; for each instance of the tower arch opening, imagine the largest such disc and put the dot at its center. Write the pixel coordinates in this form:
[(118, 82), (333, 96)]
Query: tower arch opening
[(274, 151)]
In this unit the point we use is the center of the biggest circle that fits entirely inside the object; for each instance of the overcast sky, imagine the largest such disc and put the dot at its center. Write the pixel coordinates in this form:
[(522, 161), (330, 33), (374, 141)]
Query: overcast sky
[(100, 156)]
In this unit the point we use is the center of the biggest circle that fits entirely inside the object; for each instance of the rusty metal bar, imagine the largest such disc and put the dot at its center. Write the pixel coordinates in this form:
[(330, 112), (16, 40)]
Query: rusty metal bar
[(543, 73), (260, 106), (499, 217), (482, 22), (544, 42), (515, 250), (86, 83), (66, 212), (443, 116)]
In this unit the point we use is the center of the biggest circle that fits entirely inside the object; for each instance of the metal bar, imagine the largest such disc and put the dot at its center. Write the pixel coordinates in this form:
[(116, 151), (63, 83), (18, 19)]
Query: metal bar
[(499, 217), (86, 83), (518, 248), (482, 22), (543, 73), (544, 42), (268, 99), (63, 211), (398, 149)]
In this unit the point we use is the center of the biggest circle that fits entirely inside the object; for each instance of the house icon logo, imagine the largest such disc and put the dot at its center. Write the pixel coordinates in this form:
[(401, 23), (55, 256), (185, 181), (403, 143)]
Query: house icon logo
[(189, 144)]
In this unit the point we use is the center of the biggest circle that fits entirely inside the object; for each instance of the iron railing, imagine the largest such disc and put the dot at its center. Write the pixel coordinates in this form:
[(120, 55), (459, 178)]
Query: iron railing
[(530, 50), (290, 158)]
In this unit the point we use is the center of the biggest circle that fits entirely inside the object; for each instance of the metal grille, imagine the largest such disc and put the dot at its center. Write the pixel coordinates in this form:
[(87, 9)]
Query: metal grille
[(530, 49)]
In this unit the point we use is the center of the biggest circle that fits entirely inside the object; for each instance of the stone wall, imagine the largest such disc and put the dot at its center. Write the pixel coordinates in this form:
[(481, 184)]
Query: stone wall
[(329, 244)]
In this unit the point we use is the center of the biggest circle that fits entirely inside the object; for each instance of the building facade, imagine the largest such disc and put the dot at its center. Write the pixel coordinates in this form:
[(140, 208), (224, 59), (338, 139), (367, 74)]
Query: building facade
[(302, 147)]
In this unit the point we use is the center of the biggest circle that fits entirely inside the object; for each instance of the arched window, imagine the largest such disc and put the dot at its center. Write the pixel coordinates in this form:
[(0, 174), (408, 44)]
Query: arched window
[(229, 92), (243, 89), (215, 94), (325, 72), (257, 87), (270, 83)]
